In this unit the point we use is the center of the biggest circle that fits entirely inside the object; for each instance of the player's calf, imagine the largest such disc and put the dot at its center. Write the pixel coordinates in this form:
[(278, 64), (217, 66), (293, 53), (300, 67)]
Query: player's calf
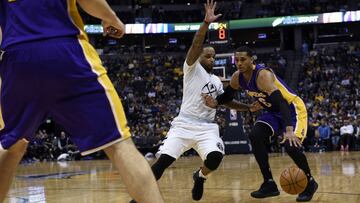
[(211, 163), (161, 164)]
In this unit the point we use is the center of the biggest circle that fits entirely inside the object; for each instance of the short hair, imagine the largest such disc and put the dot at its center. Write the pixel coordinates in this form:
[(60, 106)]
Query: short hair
[(246, 49)]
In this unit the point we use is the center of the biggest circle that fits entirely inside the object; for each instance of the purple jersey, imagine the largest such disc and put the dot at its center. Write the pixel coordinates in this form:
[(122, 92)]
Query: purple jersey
[(274, 118), (252, 90), (29, 20)]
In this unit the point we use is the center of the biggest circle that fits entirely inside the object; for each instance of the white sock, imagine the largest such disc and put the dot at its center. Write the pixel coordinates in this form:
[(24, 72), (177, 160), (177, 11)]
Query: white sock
[(201, 174)]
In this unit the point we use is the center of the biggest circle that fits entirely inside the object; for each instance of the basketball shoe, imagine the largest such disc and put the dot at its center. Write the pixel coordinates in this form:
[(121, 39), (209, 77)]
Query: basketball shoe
[(308, 192), (267, 189), (198, 188)]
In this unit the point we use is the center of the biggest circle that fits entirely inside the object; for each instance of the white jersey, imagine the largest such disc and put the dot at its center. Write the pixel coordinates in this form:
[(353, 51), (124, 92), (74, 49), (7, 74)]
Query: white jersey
[(197, 81), (194, 127)]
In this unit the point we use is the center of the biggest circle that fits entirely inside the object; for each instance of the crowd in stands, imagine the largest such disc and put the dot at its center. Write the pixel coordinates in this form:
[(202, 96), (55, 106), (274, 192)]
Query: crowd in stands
[(270, 8), (151, 90), (169, 13), (190, 11), (51, 145), (330, 86)]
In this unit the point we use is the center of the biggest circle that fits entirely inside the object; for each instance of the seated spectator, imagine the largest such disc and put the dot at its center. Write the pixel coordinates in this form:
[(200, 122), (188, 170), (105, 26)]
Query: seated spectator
[(66, 150), (324, 134), (335, 135), (346, 133)]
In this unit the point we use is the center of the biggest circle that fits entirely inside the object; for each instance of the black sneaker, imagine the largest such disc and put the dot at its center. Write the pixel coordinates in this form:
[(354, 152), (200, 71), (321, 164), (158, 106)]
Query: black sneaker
[(132, 201), (198, 188), (309, 191), (267, 189)]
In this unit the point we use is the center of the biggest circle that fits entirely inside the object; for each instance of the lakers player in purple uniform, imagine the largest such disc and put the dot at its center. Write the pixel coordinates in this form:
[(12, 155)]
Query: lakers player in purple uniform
[(49, 69), (285, 113)]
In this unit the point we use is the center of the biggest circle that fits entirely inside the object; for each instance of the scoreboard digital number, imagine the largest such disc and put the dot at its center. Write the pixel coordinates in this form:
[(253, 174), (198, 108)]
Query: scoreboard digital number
[(219, 33)]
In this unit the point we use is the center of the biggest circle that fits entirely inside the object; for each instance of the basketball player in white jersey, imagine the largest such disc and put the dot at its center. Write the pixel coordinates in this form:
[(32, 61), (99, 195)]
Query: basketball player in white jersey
[(195, 127)]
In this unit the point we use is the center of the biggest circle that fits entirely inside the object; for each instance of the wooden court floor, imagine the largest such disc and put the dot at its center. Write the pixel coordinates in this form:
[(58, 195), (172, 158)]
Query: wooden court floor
[(338, 175)]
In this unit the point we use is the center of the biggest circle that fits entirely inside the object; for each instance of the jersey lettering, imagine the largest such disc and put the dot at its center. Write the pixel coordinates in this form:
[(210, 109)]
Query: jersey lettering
[(263, 101)]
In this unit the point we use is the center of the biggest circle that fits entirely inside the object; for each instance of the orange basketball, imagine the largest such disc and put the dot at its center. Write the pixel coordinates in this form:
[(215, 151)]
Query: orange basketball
[(293, 180)]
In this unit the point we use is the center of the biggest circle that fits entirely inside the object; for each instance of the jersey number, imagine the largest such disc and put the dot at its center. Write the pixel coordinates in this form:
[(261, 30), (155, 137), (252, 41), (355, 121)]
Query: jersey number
[(262, 100)]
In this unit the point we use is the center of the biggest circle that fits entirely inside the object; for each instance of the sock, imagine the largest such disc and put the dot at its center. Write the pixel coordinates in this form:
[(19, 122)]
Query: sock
[(201, 174)]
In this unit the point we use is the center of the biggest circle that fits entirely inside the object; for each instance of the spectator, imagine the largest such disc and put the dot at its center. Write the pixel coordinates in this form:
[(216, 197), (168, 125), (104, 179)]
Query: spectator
[(324, 133), (346, 133)]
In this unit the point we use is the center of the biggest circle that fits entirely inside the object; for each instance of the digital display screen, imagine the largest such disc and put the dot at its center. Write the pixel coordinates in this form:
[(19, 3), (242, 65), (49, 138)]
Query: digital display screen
[(134, 28), (262, 36), (173, 41), (219, 30), (219, 33), (156, 28)]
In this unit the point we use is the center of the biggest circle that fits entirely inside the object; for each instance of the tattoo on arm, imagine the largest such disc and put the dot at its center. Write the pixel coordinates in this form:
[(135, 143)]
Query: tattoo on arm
[(196, 46)]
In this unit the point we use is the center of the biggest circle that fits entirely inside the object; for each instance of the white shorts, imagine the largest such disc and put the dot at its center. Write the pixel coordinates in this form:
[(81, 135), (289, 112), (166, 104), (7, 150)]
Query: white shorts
[(182, 136)]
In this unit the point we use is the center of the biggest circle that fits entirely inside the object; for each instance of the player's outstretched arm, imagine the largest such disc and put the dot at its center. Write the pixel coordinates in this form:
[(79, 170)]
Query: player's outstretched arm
[(239, 106), (196, 46), (227, 98), (101, 9)]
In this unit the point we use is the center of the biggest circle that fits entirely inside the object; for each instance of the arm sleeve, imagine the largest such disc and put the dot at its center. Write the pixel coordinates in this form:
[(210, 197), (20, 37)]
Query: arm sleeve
[(227, 96), (279, 104)]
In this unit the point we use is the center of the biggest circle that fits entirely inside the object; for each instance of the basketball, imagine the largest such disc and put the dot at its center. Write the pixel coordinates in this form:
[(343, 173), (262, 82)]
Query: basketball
[(293, 180)]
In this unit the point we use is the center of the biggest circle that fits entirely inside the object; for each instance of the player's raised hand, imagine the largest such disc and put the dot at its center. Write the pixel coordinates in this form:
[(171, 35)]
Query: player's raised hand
[(209, 101), (115, 29), (210, 12)]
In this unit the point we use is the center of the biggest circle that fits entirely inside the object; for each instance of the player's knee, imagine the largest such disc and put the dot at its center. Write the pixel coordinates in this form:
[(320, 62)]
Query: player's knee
[(259, 132), (161, 164), (213, 160), (254, 136)]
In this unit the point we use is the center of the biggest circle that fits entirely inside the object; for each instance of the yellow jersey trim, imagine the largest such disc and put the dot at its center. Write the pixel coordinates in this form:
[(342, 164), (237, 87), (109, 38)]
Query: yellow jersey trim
[(301, 118), (288, 96), (96, 66), (76, 19), (114, 100)]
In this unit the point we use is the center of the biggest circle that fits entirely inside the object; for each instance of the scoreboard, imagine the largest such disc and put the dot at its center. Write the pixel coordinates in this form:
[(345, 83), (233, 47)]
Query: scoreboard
[(219, 33)]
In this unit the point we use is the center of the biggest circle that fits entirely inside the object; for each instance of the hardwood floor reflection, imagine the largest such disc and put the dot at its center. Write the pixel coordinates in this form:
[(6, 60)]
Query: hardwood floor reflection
[(338, 175)]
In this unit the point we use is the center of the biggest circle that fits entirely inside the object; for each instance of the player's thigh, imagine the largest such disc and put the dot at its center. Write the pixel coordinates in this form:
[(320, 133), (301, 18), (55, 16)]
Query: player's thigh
[(22, 106), (208, 140), (93, 118), (90, 108), (175, 144), (272, 120)]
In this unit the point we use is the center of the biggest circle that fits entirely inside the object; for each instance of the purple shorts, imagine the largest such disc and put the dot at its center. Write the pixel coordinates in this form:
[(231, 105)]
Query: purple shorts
[(298, 119), (64, 79)]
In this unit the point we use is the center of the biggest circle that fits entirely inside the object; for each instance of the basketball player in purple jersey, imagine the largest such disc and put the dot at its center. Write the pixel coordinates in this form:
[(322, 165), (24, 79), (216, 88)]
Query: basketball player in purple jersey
[(48, 68), (285, 112)]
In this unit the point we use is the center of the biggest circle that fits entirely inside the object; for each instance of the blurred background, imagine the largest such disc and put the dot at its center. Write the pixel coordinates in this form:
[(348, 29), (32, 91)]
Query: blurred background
[(312, 44)]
